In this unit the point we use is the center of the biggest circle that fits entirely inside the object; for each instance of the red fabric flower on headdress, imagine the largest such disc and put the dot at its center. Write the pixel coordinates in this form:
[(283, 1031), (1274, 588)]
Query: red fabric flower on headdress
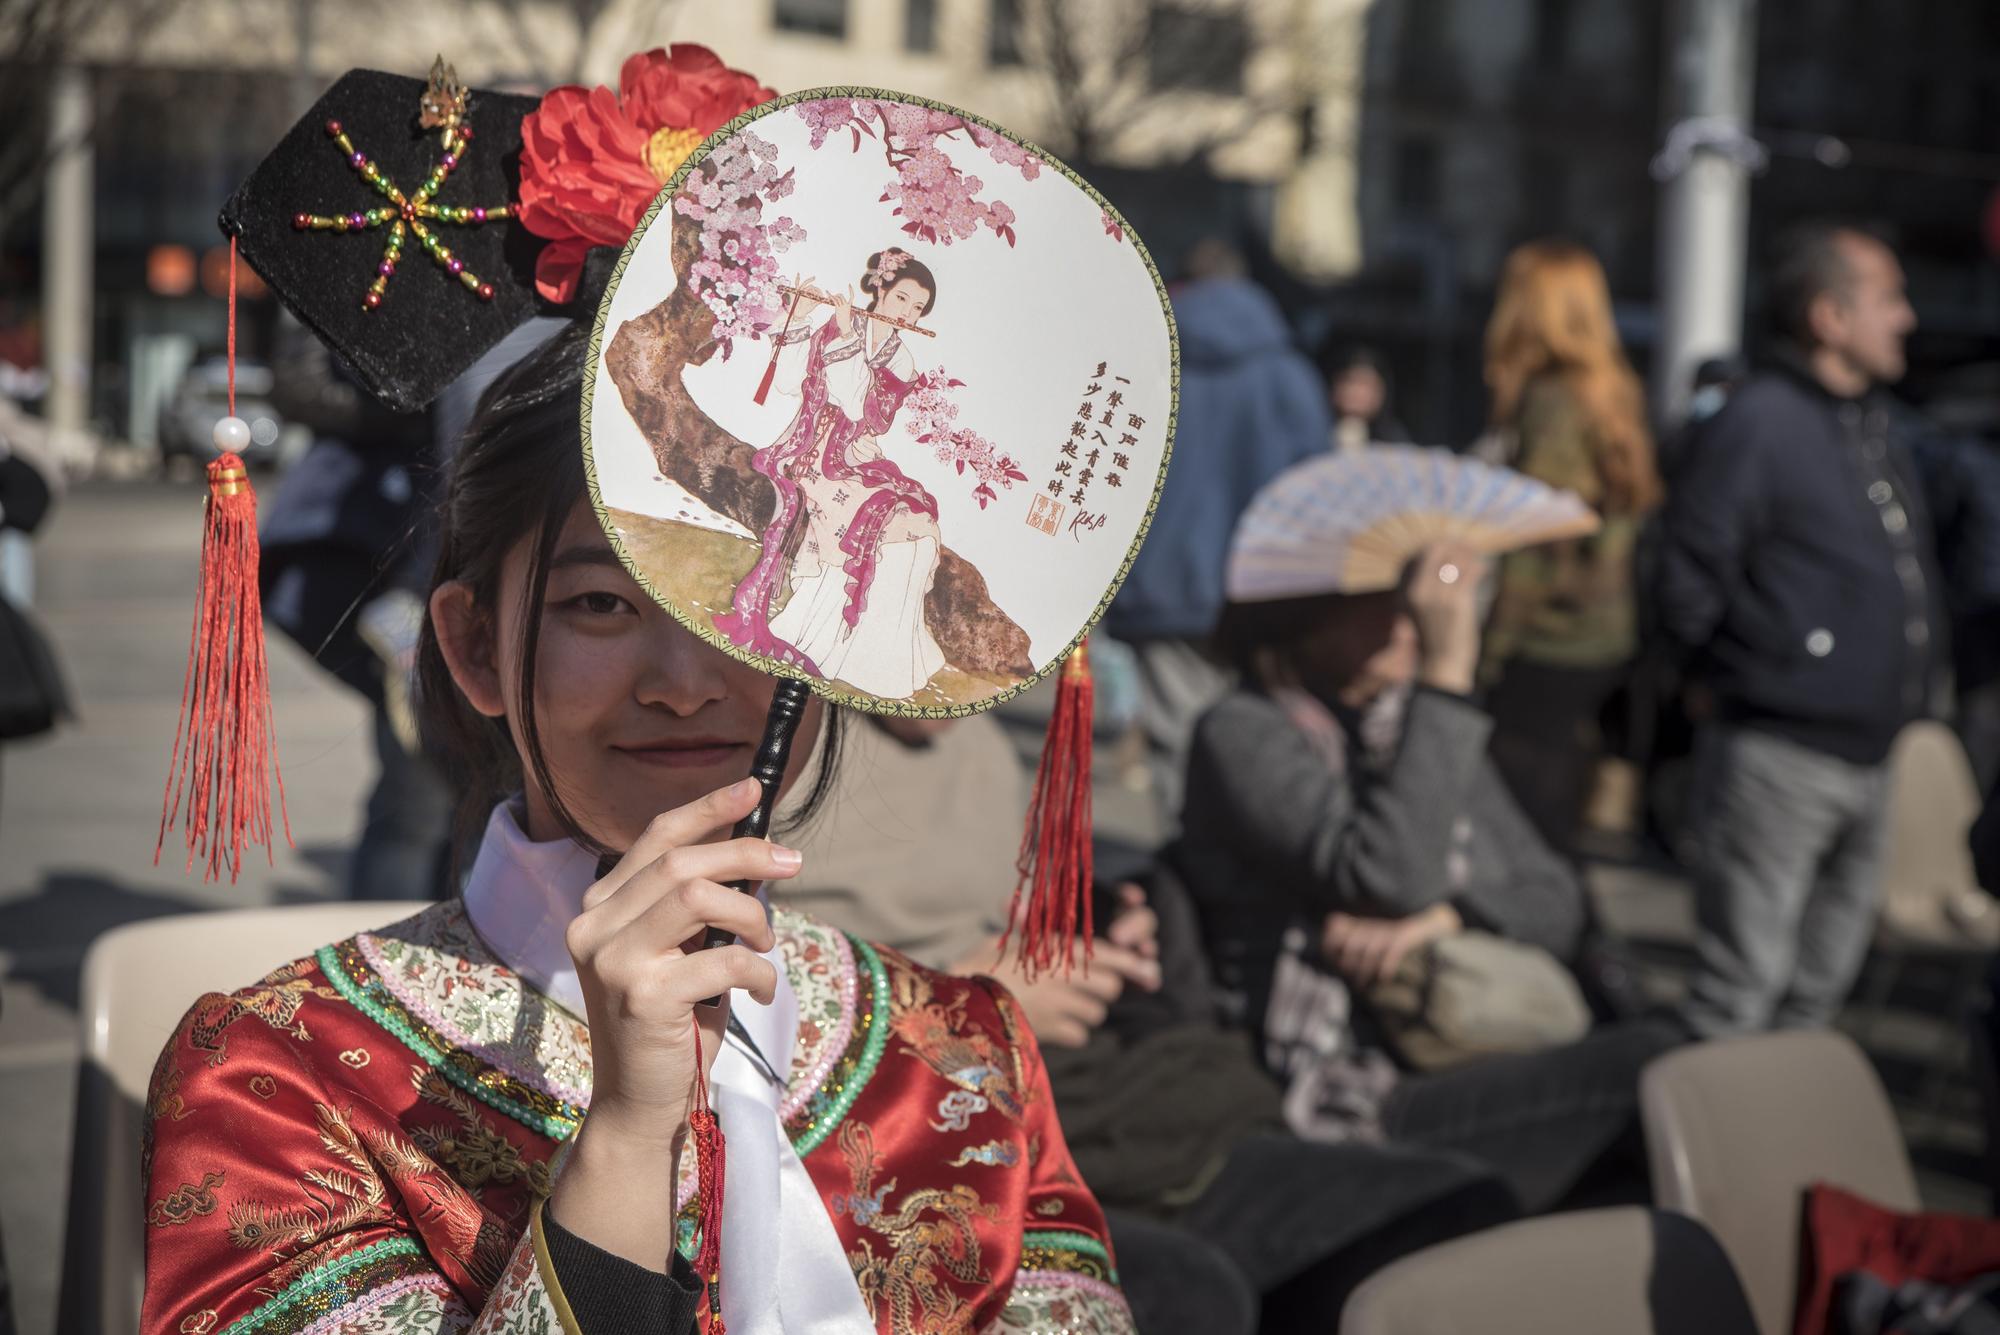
[(592, 160)]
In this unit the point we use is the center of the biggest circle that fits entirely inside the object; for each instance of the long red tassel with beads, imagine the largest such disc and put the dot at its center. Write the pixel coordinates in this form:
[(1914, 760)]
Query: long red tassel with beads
[(1052, 902), (709, 1150), (225, 756)]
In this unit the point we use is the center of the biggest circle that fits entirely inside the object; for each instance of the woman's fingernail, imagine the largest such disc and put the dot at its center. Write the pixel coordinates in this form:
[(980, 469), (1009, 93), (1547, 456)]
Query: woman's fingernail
[(787, 857), (744, 787)]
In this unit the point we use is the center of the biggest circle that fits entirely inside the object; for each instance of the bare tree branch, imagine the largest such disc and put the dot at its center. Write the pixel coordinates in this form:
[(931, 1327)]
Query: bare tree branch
[(1107, 70), (47, 36)]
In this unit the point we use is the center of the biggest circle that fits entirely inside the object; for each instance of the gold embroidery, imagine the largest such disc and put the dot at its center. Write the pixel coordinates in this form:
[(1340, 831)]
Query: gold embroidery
[(188, 1201), (472, 1236), (200, 1323), (1049, 1208), (939, 1035), (340, 1199), (930, 1230), (166, 1100), (337, 1199), (263, 1086), (356, 1058), (474, 1152), (275, 1001)]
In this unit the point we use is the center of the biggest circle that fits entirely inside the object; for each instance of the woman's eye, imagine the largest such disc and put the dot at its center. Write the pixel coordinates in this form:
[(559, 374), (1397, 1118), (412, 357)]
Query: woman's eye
[(599, 603)]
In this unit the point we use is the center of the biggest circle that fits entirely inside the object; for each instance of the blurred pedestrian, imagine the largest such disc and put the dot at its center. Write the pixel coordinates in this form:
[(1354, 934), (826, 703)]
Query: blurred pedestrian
[(1564, 628), (1347, 842), (342, 576), (1358, 393), (1250, 405), (1708, 390), (1797, 565), (1660, 708), (1961, 482)]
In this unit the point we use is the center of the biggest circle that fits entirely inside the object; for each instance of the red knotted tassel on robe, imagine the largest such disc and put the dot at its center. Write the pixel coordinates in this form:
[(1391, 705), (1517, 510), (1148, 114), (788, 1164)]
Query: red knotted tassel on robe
[(225, 757), (709, 1149), (1052, 901)]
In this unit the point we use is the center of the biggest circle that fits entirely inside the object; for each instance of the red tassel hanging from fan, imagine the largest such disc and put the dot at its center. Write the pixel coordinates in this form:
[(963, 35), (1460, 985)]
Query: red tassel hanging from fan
[(225, 756), (709, 1151), (1052, 905)]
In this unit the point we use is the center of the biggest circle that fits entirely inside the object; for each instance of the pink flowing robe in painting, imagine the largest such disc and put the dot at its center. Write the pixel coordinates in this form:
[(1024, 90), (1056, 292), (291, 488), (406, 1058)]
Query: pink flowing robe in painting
[(855, 535)]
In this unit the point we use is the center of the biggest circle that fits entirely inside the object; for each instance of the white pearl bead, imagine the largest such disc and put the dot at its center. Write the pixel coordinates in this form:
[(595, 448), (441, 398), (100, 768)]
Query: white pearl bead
[(232, 434)]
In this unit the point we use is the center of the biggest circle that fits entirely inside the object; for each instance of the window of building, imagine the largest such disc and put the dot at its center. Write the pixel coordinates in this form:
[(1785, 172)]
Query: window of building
[(1545, 177), (1553, 20), (820, 18), (920, 25), (1418, 168), (1003, 33), (1203, 52)]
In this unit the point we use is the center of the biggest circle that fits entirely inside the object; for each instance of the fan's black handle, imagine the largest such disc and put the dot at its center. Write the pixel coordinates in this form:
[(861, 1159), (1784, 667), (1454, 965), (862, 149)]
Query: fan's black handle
[(774, 755)]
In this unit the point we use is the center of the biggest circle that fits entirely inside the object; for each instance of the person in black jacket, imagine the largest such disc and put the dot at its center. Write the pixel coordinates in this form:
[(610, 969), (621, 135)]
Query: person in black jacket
[(1797, 568), (1962, 482)]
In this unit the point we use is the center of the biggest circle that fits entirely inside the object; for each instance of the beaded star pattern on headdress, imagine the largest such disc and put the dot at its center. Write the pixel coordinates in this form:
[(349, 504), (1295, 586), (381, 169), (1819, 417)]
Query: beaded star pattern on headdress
[(443, 107)]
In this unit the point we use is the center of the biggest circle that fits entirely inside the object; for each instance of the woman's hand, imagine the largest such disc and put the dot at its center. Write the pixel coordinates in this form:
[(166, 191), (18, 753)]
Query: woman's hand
[(809, 294), (1064, 1009), (843, 313), (1442, 590), (1135, 926), (1367, 951), (638, 958)]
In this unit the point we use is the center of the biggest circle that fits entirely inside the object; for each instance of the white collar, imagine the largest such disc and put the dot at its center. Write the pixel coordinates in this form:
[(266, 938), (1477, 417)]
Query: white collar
[(520, 897)]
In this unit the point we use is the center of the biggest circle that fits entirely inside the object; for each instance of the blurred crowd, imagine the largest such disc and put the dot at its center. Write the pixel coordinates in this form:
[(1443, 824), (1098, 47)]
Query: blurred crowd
[(1359, 1000)]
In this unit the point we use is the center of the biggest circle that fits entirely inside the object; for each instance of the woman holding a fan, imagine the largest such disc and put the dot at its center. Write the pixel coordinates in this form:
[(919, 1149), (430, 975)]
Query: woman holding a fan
[(513, 1110), (1356, 859)]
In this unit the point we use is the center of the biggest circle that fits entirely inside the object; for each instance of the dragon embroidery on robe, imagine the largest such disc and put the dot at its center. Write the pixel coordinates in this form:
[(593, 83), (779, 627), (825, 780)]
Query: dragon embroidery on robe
[(275, 1001), (930, 1229)]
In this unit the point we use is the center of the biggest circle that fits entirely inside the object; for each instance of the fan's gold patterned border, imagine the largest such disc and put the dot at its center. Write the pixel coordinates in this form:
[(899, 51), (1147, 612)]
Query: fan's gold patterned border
[(868, 703)]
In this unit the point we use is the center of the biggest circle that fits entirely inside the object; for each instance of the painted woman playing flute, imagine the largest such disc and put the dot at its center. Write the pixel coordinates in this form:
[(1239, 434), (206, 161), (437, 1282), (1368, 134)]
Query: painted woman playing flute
[(849, 555)]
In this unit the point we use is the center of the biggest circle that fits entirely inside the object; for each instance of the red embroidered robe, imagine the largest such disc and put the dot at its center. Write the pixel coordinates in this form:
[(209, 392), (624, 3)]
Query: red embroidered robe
[(361, 1142)]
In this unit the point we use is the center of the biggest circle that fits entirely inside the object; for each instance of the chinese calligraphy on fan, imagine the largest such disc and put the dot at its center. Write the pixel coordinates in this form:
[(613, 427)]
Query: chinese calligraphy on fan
[(1096, 451)]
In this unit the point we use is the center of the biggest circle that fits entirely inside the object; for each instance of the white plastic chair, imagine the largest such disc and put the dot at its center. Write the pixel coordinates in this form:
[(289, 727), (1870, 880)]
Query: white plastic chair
[(1738, 1128), (138, 981), (1633, 1271)]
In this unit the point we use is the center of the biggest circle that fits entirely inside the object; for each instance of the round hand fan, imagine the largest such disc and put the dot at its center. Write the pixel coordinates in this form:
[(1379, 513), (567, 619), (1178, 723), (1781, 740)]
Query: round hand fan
[(882, 401), (1350, 522)]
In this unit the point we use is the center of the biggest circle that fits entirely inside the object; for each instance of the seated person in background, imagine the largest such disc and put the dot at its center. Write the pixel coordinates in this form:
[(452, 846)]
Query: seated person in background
[(1159, 1100), (1342, 817)]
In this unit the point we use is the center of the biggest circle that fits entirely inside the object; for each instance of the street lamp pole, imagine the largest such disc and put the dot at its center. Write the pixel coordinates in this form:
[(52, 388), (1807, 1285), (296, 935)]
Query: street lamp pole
[(1704, 169)]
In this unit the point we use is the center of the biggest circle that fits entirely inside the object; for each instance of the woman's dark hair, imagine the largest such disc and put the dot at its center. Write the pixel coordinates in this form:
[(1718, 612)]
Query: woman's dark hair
[(1249, 636), (518, 472), (1337, 356), (910, 267)]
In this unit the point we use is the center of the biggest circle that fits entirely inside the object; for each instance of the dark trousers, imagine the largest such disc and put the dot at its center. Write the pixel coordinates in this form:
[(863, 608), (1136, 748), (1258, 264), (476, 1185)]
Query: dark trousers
[(1554, 1125), (1305, 1223), (1175, 1279), (1547, 738)]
